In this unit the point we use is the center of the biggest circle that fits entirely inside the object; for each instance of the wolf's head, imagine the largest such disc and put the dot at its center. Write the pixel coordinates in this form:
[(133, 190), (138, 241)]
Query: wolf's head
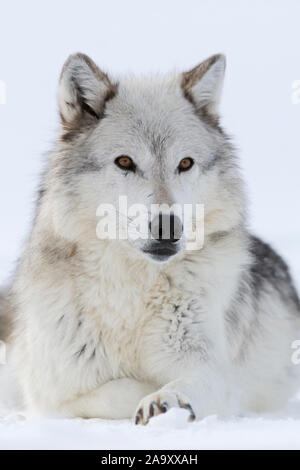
[(150, 141)]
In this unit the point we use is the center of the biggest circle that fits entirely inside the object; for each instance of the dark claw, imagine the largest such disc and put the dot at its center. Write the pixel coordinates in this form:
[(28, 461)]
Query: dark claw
[(188, 407), (151, 410), (164, 407), (139, 416)]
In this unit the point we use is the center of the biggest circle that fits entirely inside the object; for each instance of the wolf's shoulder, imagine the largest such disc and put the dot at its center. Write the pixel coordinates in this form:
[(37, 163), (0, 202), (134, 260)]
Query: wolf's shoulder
[(269, 268), (266, 262)]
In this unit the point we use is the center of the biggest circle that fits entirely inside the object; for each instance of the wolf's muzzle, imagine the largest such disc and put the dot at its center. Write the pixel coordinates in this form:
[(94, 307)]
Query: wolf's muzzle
[(166, 231)]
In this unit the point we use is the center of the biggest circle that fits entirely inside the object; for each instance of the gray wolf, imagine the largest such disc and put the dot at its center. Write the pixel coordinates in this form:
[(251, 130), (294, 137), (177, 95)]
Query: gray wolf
[(115, 328)]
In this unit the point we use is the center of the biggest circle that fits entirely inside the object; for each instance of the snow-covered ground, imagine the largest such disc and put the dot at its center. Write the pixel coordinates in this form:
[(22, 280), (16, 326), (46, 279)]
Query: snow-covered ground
[(261, 40), (169, 431)]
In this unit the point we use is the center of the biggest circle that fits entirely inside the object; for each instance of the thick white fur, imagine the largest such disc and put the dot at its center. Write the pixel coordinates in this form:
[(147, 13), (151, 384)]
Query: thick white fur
[(161, 326), (103, 331)]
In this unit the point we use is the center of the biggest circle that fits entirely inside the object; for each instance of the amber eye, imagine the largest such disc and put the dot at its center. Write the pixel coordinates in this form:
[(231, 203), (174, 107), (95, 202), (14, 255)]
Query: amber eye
[(125, 163), (185, 164)]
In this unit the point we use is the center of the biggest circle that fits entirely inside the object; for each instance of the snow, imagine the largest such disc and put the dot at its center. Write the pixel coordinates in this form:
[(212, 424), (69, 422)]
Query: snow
[(261, 41), (169, 431)]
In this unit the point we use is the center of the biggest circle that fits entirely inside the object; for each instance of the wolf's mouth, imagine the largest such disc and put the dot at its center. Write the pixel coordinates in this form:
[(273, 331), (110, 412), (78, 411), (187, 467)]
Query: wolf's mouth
[(161, 251)]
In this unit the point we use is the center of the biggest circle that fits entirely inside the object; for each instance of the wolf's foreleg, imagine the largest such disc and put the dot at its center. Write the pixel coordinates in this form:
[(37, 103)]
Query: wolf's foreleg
[(116, 399), (201, 395)]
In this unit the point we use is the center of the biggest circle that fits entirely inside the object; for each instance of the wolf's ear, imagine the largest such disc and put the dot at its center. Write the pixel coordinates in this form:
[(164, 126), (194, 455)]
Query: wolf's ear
[(203, 84), (83, 90)]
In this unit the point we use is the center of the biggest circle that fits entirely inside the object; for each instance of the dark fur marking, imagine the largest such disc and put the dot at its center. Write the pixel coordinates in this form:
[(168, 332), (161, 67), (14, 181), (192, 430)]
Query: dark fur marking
[(56, 253), (88, 166), (269, 267), (93, 355), (211, 120), (267, 271), (89, 110), (81, 351), (191, 273), (158, 143), (217, 236)]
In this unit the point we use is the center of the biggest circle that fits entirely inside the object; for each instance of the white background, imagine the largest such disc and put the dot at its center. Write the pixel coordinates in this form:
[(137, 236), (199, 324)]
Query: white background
[(261, 39)]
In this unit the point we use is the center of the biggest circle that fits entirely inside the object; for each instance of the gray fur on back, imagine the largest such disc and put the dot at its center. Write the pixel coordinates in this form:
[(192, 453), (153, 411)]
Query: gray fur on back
[(268, 268)]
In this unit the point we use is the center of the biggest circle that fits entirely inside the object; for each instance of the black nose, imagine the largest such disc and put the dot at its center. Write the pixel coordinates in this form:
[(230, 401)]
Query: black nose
[(166, 228)]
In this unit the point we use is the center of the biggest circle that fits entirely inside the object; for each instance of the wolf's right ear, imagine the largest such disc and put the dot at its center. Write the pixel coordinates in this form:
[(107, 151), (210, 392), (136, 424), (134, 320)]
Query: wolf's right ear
[(83, 90)]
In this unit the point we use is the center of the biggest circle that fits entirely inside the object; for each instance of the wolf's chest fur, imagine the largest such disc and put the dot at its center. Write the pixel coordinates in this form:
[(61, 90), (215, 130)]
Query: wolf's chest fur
[(131, 319), (137, 311)]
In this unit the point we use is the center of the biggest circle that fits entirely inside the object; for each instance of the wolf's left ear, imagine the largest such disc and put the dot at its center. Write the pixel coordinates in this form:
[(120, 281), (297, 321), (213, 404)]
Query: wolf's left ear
[(83, 90), (203, 84)]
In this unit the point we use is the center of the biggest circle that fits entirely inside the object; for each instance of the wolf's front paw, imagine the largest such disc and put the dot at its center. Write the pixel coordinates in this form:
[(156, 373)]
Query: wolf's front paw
[(161, 402)]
